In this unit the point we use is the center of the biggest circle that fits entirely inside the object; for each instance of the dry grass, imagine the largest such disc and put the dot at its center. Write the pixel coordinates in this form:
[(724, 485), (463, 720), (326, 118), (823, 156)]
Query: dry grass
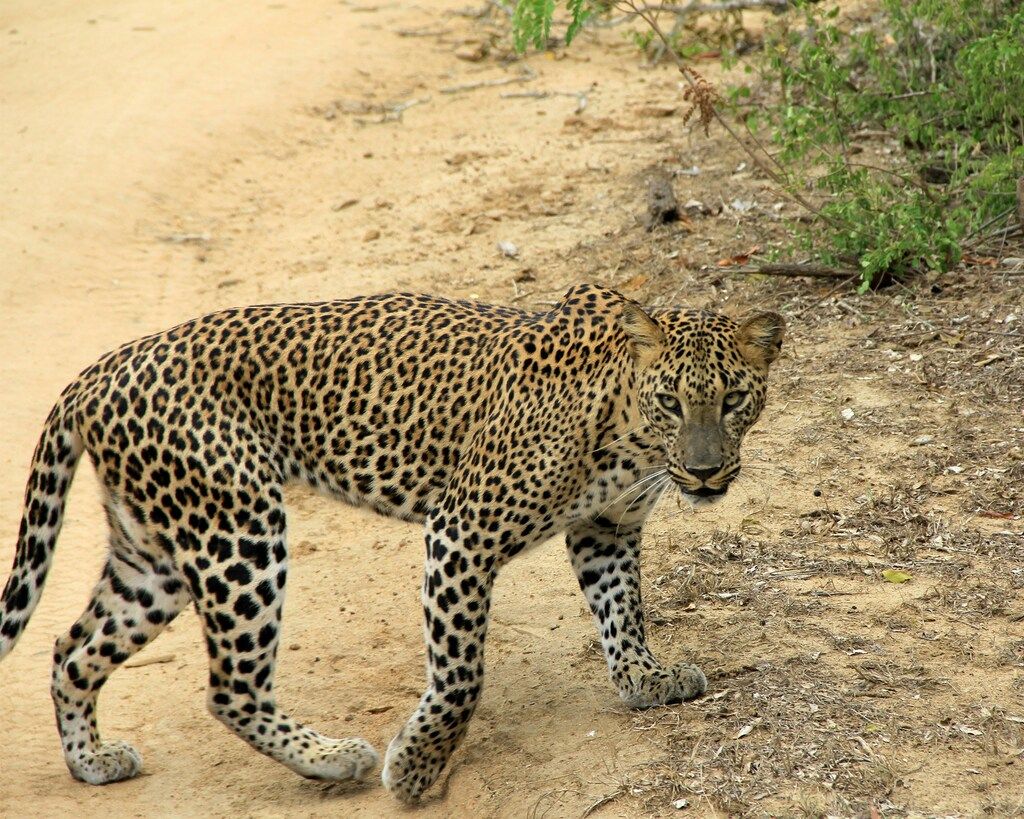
[(833, 691)]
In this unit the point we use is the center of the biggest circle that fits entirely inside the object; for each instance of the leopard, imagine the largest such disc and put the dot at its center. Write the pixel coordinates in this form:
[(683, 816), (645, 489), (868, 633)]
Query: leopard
[(495, 428)]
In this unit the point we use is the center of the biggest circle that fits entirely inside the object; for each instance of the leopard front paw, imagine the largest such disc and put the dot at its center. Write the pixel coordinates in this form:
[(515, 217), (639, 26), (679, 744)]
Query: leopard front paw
[(410, 766), (666, 686)]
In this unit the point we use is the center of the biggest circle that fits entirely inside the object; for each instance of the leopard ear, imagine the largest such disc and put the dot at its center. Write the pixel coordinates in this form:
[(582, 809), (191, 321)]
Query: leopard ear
[(760, 338), (646, 338)]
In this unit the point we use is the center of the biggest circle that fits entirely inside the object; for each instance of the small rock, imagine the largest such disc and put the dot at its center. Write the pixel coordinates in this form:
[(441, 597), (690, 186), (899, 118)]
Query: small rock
[(915, 357), (371, 235), (294, 647), (922, 440), (681, 804), (742, 205), (956, 470), (847, 414), (693, 170), (1013, 262), (525, 275), (694, 207), (472, 52), (508, 249)]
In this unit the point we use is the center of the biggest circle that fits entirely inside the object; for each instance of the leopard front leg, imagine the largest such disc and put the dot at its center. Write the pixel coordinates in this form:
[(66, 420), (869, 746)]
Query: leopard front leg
[(456, 599), (606, 560)]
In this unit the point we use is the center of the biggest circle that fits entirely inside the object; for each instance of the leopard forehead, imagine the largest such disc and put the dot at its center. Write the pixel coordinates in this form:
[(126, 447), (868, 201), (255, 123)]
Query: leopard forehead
[(702, 358)]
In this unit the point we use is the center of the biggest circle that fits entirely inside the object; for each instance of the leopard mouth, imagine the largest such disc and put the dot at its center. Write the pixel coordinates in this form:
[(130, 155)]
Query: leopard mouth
[(706, 492), (702, 493)]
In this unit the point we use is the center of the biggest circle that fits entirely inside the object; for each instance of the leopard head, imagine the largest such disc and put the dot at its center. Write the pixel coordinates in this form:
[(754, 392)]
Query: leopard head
[(701, 384)]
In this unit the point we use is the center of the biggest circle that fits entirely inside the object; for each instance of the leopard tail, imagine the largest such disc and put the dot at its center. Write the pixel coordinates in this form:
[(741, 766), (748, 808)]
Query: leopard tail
[(53, 466)]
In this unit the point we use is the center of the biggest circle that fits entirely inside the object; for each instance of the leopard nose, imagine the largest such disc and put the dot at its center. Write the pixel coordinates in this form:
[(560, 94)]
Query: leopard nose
[(703, 474)]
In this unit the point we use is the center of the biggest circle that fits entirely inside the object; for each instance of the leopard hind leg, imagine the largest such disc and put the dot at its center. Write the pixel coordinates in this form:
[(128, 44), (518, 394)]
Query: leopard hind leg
[(238, 582), (137, 595)]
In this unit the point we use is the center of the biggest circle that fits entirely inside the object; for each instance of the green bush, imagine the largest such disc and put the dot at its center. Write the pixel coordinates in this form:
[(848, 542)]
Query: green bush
[(945, 83), (945, 78)]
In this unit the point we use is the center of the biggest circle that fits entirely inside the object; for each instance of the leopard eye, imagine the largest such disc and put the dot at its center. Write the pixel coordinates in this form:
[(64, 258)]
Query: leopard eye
[(670, 403), (732, 400)]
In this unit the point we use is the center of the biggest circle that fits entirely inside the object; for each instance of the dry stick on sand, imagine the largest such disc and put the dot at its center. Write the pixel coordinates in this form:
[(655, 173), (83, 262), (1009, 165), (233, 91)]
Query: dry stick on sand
[(811, 271), (528, 75), (156, 660)]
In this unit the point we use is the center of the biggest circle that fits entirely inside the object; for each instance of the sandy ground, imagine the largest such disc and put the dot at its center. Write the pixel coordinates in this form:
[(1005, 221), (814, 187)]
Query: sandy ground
[(158, 161), (165, 160)]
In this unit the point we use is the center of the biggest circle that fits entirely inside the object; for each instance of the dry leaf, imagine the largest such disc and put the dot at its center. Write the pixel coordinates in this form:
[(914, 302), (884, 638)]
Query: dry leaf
[(739, 258), (896, 576)]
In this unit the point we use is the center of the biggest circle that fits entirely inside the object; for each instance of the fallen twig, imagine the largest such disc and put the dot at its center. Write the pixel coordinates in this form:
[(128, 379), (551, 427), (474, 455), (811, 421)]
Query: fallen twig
[(843, 283), (604, 800), (528, 75), (811, 271), (159, 658), (580, 96), (711, 8), (392, 113), (186, 238), (422, 32)]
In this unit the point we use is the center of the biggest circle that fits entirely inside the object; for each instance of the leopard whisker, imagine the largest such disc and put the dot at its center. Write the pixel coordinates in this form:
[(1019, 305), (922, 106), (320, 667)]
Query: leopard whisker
[(659, 487), (633, 486)]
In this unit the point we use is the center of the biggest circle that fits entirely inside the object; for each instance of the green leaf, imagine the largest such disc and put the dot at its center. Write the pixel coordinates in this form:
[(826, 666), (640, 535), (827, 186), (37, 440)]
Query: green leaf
[(580, 11), (531, 23), (896, 576)]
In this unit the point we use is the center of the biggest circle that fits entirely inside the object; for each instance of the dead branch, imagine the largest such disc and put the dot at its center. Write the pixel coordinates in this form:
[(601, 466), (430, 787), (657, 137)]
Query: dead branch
[(811, 271), (157, 660), (528, 75), (712, 8), (580, 96)]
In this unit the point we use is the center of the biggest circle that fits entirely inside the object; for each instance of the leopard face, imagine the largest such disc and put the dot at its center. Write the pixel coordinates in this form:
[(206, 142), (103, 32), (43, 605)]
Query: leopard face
[(702, 385)]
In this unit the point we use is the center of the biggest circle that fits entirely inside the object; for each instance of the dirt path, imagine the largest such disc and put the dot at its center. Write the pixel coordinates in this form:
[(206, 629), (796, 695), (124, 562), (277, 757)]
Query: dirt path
[(161, 161)]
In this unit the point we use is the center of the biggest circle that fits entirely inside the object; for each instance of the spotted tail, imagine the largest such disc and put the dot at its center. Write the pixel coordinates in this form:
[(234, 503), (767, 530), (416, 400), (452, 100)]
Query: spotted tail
[(53, 466)]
